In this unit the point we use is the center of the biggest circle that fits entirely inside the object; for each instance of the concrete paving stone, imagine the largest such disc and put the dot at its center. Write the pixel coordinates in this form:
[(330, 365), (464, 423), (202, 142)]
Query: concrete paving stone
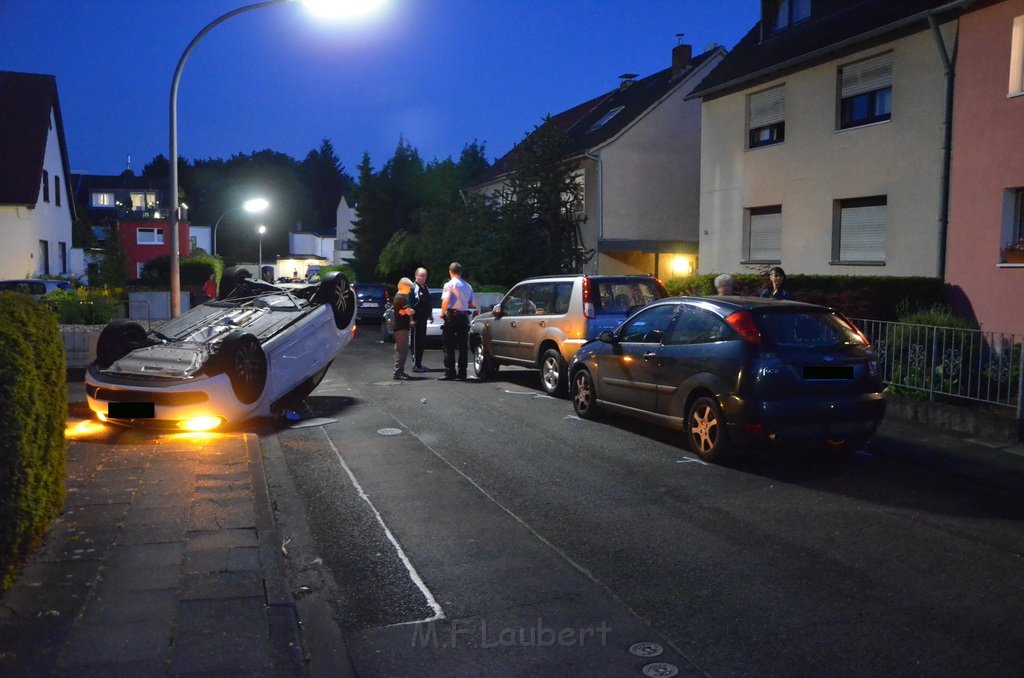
[(90, 496), (120, 476), (173, 517), (146, 555), (245, 559), (201, 540), (47, 587), (152, 578), (207, 560), (147, 535), (247, 616), (209, 487), (222, 653), (159, 499), (222, 515), (152, 667), (128, 642), (223, 475), (89, 515), (221, 585), (112, 605)]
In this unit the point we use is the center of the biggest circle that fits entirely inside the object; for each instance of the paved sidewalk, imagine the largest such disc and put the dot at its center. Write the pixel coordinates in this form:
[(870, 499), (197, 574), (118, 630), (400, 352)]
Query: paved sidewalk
[(165, 562)]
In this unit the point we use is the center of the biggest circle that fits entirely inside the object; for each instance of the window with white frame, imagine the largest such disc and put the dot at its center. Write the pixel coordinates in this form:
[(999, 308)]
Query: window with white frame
[(1017, 58), (138, 270), (143, 200), (865, 91), (56, 191), (766, 117), (858, 231), (763, 234), (102, 199), (149, 236)]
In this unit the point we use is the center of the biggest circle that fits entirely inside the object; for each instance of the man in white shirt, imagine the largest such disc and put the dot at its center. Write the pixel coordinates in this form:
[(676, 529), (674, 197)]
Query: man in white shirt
[(456, 302)]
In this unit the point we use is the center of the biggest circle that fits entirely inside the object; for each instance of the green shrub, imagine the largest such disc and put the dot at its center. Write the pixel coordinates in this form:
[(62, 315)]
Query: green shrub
[(33, 409), (192, 271), (87, 305)]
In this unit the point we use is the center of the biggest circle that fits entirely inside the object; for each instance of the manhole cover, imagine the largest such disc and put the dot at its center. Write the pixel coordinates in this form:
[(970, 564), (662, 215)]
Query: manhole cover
[(661, 670), (389, 431), (645, 649)]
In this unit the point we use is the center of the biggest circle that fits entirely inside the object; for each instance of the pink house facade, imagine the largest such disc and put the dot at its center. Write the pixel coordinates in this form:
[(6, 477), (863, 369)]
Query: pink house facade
[(986, 208)]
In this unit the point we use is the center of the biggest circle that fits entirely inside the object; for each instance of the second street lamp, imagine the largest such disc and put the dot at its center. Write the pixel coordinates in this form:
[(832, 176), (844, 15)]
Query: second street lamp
[(262, 229), (254, 205)]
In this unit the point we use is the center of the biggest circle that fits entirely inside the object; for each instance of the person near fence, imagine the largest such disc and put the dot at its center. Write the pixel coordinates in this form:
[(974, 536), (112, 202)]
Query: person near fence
[(777, 290)]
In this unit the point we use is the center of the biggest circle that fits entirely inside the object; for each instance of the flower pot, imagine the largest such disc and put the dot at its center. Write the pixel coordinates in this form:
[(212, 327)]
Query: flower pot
[(1014, 257)]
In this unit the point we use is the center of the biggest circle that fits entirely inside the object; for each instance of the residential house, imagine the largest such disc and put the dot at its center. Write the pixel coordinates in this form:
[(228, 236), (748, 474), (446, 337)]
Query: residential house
[(134, 205), (37, 209), (986, 210), (823, 145), (637, 148)]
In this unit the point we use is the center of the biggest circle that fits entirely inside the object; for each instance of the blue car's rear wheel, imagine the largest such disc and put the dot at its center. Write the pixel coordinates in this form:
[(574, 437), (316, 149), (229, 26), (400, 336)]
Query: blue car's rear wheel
[(584, 395), (708, 437)]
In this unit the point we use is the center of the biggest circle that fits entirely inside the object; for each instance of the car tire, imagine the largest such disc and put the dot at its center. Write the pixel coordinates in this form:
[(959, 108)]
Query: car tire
[(295, 396), (584, 395), (335, 291), (245, 362), (229, 280), (118, 339), (483, 365), (706, 430), (552, 373)]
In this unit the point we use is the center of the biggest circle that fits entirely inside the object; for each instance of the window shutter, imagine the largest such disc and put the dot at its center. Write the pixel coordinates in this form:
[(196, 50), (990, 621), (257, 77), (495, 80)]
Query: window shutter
[(862, 233), (867, 75), (766, 236), (768, 107)]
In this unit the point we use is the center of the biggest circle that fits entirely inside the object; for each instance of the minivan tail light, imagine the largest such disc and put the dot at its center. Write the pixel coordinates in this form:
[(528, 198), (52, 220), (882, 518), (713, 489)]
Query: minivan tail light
[(743, 323), (588, 299)]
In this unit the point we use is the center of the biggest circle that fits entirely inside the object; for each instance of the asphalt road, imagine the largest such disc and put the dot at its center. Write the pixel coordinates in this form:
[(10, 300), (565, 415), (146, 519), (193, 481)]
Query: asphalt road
[(480, 528)]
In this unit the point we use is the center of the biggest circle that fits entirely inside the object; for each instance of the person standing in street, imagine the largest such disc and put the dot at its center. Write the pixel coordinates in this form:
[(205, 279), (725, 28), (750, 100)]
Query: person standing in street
[(456, 300), (403, 320), (423, 308), (210, 286)]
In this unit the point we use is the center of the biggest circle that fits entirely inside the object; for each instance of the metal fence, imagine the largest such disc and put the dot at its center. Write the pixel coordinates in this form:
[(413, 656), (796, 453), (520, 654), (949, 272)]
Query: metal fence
[(950, 363), (81, 322)]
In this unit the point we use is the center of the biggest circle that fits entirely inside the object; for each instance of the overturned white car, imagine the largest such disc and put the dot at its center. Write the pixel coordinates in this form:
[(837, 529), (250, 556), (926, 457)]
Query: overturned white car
[(253, 351)]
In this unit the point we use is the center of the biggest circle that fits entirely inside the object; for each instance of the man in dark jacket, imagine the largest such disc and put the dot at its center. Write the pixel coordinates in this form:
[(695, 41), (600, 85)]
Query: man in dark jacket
[(422, 307)]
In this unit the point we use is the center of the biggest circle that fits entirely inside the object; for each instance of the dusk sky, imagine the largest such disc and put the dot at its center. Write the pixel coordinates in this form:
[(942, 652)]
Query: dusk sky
[(438, 73)]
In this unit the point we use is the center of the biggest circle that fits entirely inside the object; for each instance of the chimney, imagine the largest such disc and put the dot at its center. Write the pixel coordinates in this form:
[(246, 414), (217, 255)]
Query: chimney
[(626, 79), (682, 55)]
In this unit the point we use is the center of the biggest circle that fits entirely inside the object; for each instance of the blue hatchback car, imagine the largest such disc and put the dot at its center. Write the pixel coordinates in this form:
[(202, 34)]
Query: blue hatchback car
[(730, 371)]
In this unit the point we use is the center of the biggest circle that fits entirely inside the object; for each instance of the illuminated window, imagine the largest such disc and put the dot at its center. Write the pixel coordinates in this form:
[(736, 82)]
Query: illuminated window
[(102, 199)]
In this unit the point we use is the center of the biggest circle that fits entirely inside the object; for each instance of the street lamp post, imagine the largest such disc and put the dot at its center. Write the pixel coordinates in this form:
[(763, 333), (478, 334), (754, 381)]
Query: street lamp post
[(262, 229), (175, 208), (253, 205)]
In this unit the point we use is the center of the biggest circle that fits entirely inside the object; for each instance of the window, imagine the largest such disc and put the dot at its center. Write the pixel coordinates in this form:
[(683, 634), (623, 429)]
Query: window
[(697, 326), (138, 270), (44, 257), (1017, 58), (102, 199), (605, 118), (865, 91), (766, 117), (788, 12), (649, 326), (859, 231), (150, 236), (763, 234), (46, 186), (62, 254), (56, 191), (143, 200), (1012, 233)]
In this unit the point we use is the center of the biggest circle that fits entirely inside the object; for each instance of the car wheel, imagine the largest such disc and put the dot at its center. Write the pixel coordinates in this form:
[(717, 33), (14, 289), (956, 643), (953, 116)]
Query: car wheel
[(335, 291), (295, 396), (483, 364), (229, 280), (584, 396), (246, 364), (708, 437), (118, 339), (552, 373)]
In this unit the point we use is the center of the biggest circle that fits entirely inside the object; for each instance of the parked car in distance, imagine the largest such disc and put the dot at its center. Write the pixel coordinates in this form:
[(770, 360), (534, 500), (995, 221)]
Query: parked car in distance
[(35, 287), (253, 351), (373, 299), (730, 371), (542, 322), (434, 323)]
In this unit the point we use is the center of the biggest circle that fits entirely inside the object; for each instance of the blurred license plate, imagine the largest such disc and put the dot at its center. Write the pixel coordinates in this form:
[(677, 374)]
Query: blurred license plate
[(828, 372), (370, 304), (131, 410)]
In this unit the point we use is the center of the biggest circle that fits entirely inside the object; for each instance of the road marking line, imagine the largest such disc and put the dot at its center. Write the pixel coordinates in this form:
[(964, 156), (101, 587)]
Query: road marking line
[(413, 574)]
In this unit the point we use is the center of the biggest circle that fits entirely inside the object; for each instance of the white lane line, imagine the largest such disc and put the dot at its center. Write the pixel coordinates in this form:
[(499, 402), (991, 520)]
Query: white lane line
[(413, 574)]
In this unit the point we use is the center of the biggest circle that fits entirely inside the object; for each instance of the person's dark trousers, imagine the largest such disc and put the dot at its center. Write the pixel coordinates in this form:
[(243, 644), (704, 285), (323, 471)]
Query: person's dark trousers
[(419, 342), (455, 335)]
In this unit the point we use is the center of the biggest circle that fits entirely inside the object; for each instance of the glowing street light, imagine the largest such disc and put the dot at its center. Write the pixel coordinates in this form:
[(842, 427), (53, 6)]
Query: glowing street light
[(261, 230), (341, 8), (254, 205)]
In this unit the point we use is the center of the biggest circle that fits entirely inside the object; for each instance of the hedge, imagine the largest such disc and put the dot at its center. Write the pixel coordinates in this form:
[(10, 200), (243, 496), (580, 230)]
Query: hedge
[(33, 413), (875, 297)]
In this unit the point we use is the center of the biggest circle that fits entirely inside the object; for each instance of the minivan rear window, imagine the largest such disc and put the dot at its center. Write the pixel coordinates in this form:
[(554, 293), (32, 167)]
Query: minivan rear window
[(619, 296), (806, 329)]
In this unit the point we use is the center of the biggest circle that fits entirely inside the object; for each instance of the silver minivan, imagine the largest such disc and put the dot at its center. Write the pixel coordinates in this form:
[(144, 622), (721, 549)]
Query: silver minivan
[(543, 321)]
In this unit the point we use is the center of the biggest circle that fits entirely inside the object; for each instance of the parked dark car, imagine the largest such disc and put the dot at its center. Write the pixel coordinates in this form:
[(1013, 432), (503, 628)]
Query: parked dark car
[(542, 321), (731, 371), (36, 288), (373, 299)]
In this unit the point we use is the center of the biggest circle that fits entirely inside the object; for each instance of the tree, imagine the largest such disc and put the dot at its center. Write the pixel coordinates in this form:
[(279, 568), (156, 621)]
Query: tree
[(325, 177), (113, 266)]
